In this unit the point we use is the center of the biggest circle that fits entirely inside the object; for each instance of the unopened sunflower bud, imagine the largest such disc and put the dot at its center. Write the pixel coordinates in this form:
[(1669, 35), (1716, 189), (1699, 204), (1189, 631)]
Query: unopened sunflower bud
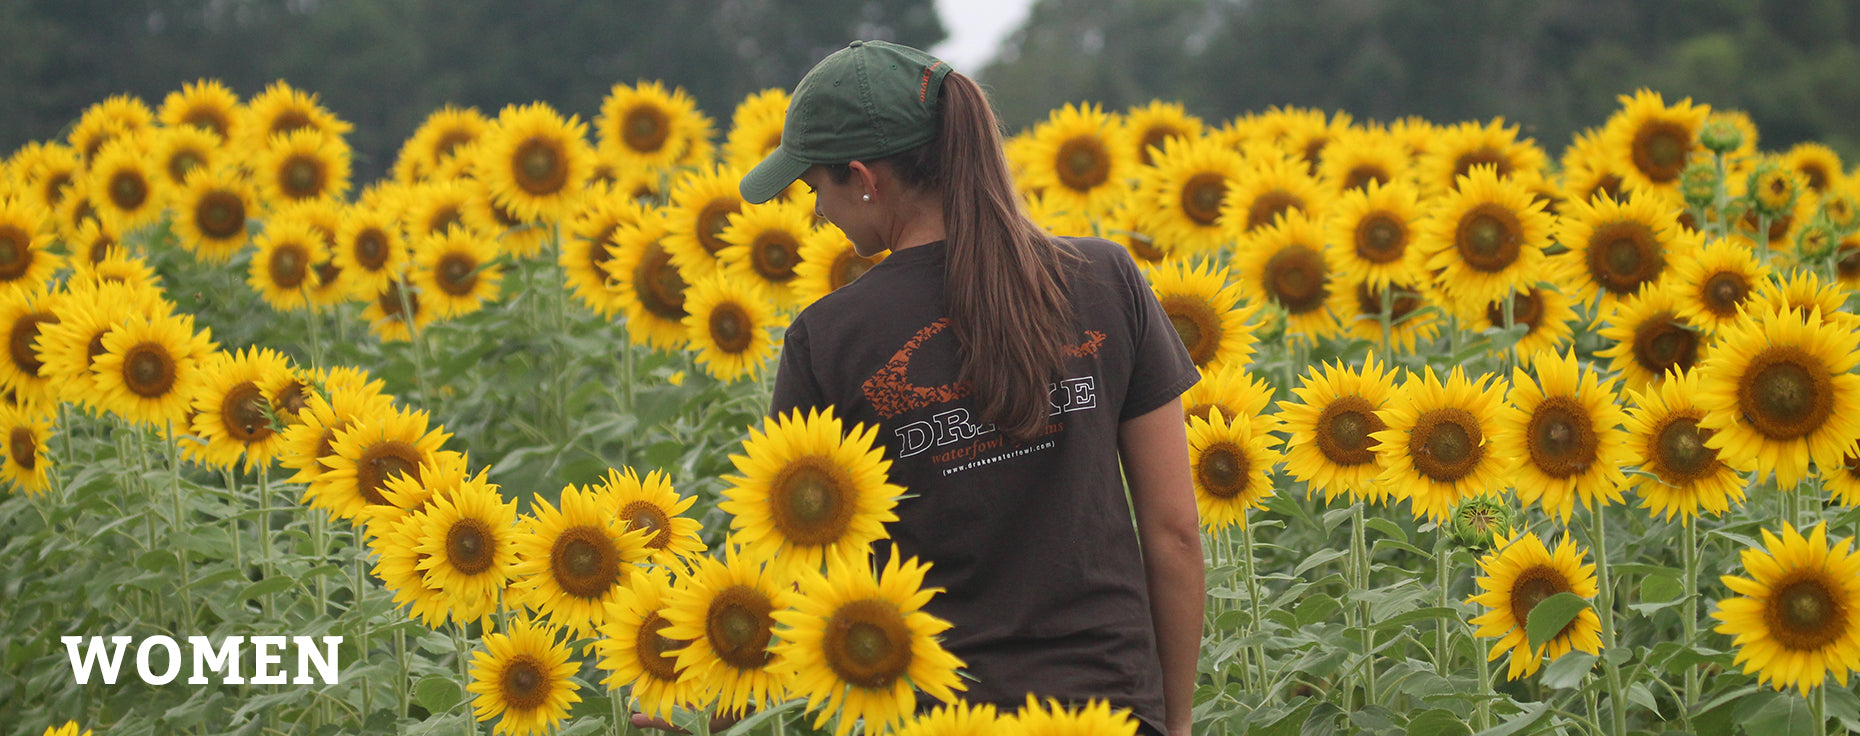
[(1816, 241), (1772, 189), (1721, 137), (1698, 183), (1479, 520)]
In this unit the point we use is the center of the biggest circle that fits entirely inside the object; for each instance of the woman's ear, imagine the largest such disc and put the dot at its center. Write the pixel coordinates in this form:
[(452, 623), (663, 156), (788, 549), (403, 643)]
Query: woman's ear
[(867, 176)]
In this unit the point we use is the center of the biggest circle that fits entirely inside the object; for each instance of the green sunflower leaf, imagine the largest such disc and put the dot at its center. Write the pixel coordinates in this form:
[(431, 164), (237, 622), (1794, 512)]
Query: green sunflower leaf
[(1551, 615)]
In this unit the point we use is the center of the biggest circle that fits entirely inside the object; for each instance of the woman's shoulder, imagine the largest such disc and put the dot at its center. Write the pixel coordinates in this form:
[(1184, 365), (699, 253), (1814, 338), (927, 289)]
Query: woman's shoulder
[(1102, 261)]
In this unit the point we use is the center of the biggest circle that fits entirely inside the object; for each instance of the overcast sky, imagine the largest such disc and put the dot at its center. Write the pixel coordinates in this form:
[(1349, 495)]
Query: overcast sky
[(975, 28)]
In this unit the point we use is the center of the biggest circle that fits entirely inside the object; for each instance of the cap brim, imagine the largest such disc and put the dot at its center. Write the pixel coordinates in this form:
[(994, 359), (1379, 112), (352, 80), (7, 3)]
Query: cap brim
[(771, 176)]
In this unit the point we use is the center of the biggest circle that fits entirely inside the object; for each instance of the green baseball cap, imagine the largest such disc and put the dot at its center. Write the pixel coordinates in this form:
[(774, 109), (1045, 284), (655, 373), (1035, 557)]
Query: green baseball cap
[(867, 101)]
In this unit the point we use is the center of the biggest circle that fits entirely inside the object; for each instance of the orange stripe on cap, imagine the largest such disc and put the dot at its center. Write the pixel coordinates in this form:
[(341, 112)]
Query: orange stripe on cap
[(923, 88)]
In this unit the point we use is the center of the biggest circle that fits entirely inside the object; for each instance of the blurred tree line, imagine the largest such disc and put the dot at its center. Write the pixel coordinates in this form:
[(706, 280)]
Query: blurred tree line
[(1554, 66), (385, 64)]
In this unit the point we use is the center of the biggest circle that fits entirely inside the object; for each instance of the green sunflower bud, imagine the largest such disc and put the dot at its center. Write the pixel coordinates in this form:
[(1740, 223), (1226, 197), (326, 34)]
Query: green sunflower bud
[(1478, 521), (1772, 189), (1721, 137), (1698, 183)]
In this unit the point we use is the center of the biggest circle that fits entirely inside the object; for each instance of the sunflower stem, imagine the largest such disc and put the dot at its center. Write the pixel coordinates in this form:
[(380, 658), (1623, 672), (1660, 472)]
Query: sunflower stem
[(1818, 706), (316, 333), (457, 630), (1484, 709), (1689, 555), (1387, 319), (1721, 196), (415, 338), (1252, 597), (1443, 552), (1359, 554), (180, 550), (1617, 701), (623, 724), (1762, 239)]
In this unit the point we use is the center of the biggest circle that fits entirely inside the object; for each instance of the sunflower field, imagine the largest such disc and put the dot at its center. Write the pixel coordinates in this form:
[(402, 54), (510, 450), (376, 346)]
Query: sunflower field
[(1486, 442)]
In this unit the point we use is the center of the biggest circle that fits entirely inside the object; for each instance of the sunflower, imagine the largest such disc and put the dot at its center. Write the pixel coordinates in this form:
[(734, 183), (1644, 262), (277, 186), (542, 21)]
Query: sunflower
[(1655, 138), (1053, 219), (960, 718), (28, 464), (1621, 246), (1485, 238), (69, 729), (636, 653), (119, 267), (526, 676), (1778, 393), (765, 248), (1456, 150), (1714, 284), (810, 487), (441, 137), (175, 152), (1651, 337), (1147, 127), (650, 505), (1590, 170), (1231, 462), (1746, 131), (128, 191), (206, 105), (68, 347), (1793, 619), (467, 542), (589, 247), (391, 539), (1206, 313), (1818, 165), (649, 287), (1078, 161), (1368, 233), (1328, 444), (1095, 718), (1563, 433), (302, 165), (535, 161), (363, 456), (828, 262), (117, 116), (370, 249), (26, 258), (1283, 263), (386, 313), (573, 561), (310, 444), (232, 415), (1680, 474), (726, 611), (94, 244), (1233, 390), (408, 497), (1271, 186), (647, 125), (1184, 194), (433, 207), (1519, 573), (283, 268), (150, 367), (76, 208), (213, 213), (284, 109), (700, 210), (1437, 449), (1126, 225), (456, 272), (1358, 158), (1803, 292), (46, 173), (1358, 308), (729, 326), (859, 644), (755, 128)]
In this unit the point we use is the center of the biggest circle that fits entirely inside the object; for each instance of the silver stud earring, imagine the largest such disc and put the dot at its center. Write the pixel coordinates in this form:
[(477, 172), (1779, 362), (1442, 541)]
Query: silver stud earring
[(865, 197)]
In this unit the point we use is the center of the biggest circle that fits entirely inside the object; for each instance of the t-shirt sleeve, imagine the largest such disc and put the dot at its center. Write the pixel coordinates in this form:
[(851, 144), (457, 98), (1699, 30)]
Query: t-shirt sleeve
[(1161, 367), (796, 387)]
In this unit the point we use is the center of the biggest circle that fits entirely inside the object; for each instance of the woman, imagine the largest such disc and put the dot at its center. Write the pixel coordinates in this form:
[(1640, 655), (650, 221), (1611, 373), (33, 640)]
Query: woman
[(1018, 381)]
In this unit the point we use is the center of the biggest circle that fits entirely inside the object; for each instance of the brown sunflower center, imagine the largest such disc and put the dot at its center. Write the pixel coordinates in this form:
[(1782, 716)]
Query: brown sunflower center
[(449, 142), (183, 161), (128, 190), (1623, 256), (1659, 150), (95, 347), (371, 248), (738, 626), (657, 282), (1662, 343), (457, 273), (327, 275), (846, 267), (1446, 444), (1153, 137), (302, 177), (1362, 175), (148, 370), (1202, 197), (1725, 291), (15, 252), (1295, 278), (1404, 302), (470, 545), (731, 327), (242, 413), (1082, 163), (1483, 156), (711, 221), (775, 254), (19, 341), (1197, 324), (1533, 586), (1847, 261), (1489, 238), (1785, 394), (99, 250), (1343, 430), (290, 120), (288, 266), (1561, 437), (584, 562), (220, 215), (445, 217), (1680, 450), (390, 302), (1805, 615), (648, 517), (23, 447), (208, 118), (645, 128), (810, 503), (868, 644), (526, 684), (381, 463), (540, 165), (1269, 206), (656, 653), (1222, 471), (1381, 238)]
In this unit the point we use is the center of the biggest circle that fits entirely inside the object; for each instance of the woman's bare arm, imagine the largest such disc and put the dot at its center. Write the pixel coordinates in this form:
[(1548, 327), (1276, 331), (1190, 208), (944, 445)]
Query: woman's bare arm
[(1154, 448)]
